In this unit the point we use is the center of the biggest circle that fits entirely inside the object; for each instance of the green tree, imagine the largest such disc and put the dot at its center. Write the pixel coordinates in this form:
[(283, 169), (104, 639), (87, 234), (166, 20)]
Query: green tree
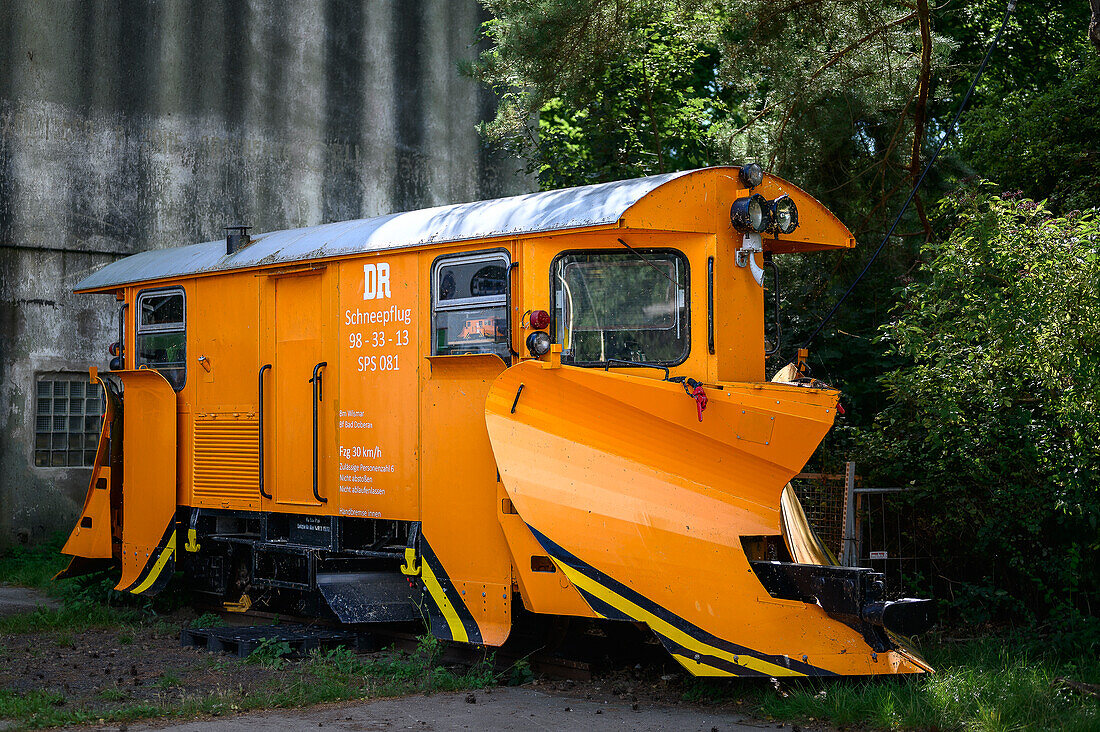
[(1044, 142), (996, 418), (821, 91)]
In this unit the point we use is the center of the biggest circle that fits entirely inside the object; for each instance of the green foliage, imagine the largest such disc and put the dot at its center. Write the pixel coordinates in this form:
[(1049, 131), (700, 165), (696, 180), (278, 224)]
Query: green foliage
[(16, 705), (989, 684), (816, 90), (208, 620), (1045, 142), (520, 673), (270, 653), (33, 566), (995, 420)]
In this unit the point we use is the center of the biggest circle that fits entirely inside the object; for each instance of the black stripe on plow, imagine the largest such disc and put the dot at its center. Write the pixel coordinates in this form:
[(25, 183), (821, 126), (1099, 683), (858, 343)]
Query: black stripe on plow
[(473, 632), (703, 636)]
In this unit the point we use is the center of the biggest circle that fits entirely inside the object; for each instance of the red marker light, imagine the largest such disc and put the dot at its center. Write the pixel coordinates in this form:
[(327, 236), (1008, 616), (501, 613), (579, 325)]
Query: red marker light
[(540, 319), (114, 349)]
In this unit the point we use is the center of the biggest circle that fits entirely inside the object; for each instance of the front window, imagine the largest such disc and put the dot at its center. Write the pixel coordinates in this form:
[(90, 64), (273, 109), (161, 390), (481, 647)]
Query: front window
[(470, 305), (628, 306), (162, 335)]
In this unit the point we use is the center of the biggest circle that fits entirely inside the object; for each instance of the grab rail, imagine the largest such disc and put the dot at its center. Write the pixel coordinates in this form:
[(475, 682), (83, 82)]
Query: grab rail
[(639, 364), (260, 414), (317, 395)]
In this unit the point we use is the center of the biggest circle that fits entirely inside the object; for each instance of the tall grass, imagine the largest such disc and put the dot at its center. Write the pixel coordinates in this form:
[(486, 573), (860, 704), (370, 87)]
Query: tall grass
[(989, 684)]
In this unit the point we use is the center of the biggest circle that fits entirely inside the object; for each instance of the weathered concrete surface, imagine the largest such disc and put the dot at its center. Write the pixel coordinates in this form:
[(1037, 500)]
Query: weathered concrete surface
[(139, 124), (15, 600), (502, 709)]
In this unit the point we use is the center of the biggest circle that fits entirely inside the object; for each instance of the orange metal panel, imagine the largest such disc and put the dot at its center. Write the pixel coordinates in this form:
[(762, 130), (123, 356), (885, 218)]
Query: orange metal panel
[(298, 350), (91, 538), (374, 468), (149, 480), (459, 506), (642, 507)]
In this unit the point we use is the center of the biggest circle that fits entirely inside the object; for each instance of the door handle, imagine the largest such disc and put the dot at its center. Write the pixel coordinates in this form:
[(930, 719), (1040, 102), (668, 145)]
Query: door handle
[(316, 381)]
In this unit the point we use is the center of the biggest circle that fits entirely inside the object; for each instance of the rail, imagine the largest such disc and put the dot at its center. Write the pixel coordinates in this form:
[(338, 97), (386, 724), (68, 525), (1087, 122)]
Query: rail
[(317, 396), (260, 414)]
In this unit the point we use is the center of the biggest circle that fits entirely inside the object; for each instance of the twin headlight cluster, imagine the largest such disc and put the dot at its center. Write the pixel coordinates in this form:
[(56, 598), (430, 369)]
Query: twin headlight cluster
[(756, 213)]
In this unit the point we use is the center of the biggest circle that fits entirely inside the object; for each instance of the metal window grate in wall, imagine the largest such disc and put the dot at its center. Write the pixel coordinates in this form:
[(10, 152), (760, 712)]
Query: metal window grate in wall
[(68, 416)]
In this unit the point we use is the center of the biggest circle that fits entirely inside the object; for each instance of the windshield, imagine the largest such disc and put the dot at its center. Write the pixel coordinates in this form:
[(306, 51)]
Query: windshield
[(617, 305)]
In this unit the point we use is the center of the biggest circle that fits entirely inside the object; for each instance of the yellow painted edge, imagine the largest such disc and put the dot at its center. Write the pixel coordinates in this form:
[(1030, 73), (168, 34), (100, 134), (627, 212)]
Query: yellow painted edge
[(458, 630), (669, 631), (165, 555)]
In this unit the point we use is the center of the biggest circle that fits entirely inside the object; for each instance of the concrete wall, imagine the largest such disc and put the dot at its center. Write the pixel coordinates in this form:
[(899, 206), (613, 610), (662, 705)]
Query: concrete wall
[(132, 124)]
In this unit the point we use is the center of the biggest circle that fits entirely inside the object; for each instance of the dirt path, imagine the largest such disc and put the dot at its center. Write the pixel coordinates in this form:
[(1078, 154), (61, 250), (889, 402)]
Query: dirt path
[(496, 709), (15, 600), (105, 671)]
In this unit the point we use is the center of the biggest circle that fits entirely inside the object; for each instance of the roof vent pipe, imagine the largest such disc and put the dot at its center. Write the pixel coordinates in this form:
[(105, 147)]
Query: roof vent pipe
[(236, 237)]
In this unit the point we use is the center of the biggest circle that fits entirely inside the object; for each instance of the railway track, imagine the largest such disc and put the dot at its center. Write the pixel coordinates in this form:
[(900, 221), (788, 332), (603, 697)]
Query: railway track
[(561, 653)]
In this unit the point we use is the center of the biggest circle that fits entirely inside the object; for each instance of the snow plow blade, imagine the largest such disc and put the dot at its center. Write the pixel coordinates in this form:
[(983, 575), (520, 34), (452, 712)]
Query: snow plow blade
[(648, 511), (140, 538)]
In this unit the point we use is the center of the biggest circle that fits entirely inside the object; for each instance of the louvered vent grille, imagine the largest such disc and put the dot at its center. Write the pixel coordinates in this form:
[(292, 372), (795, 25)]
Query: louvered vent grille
[(226, 459)]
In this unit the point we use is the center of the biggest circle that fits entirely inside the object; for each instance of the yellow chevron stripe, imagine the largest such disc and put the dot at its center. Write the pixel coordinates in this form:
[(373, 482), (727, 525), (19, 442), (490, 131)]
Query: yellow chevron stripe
[(669, 631), (700, 669), (458, 630), (165, 554)]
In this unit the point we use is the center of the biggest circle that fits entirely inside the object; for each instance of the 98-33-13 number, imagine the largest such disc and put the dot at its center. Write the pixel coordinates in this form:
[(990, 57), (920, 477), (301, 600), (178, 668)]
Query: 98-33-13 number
[(377, 339)]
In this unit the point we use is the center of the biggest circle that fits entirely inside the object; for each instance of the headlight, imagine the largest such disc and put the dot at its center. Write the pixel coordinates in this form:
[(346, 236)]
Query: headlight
[(750, 213), (751, 175), (784, 214), (538, 343)]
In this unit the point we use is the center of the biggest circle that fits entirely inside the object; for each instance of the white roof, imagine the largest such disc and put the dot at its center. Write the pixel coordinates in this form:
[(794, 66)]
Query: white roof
[(594, 205)]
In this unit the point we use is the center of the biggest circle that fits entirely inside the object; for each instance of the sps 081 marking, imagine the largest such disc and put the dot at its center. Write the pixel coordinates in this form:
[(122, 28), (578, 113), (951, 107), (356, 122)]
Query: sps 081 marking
[(387, 362)]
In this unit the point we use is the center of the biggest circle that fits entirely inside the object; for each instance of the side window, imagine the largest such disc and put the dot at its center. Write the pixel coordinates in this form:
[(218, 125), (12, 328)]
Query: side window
[(162, 334), (617, 305), (470, 304)]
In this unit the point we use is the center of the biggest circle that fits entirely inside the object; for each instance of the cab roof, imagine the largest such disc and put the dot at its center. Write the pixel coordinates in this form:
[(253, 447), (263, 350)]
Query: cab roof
[(602, 204)]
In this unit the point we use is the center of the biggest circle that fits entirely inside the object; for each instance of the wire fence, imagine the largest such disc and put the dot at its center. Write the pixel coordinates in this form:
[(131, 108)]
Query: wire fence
[(866, 527)]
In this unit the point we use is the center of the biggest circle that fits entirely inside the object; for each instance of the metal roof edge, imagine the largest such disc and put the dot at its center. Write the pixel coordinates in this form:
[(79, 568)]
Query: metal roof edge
[(528, 213)]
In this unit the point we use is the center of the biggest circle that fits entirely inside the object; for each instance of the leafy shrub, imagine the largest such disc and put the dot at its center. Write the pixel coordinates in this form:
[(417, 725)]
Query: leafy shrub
[(270, 653), (996, 418)]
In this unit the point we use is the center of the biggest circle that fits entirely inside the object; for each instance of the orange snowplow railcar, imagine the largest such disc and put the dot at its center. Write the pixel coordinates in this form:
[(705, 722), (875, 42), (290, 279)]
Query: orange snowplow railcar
[(552, 403)]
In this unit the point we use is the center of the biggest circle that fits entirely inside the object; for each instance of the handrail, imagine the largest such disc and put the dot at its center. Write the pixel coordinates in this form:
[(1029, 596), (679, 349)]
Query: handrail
[(768, 263), (639, 364), (260, 413), (317, 396)]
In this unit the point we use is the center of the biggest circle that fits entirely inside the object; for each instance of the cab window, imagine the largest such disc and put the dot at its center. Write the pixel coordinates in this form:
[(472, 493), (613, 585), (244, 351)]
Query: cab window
[(470, 304), (162, 334), (628, 306)]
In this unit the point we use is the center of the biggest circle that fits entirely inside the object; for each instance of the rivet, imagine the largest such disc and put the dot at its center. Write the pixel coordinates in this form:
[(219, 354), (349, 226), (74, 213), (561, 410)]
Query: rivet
[(736, 659), (483, 594), (767, 443), (696, 656), (804, 658), (464, 592), (874, 656)]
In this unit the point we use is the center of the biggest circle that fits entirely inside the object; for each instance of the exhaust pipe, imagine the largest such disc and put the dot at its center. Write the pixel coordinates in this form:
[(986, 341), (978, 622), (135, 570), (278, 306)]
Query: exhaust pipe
[(236, 237)]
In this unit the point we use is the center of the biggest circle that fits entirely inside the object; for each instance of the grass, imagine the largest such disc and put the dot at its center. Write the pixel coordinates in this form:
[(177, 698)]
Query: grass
[(987, 684), (34, 566), (326, 676)]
